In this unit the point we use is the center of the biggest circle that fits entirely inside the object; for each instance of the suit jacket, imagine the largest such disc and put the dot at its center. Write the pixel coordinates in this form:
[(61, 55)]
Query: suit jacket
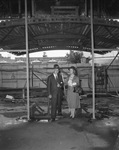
[(52, 84)]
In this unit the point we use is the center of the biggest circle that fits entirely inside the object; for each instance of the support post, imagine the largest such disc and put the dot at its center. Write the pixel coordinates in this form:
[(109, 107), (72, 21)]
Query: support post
[(86, 8), (19, 8), (23, 93), (27, 61), (99, 8), (10, 7), (93, 57), (33, 8), (32, 75)]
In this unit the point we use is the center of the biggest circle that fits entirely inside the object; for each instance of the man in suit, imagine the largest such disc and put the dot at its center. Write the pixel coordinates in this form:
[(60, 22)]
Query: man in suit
[(54, 87)]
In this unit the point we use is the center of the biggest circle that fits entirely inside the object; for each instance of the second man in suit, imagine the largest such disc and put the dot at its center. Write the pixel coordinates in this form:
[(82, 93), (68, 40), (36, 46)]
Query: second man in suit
[(54, 87)]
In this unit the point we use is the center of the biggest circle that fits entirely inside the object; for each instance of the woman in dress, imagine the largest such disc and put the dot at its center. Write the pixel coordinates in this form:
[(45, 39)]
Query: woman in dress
[(73, 98)]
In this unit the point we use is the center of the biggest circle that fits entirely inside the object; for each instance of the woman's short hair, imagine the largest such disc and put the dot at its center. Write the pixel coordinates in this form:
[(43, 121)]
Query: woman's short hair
[(74, 69)]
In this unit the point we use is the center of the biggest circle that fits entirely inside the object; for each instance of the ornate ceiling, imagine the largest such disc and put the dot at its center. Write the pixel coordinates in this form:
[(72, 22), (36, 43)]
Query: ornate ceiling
[(49, 30)]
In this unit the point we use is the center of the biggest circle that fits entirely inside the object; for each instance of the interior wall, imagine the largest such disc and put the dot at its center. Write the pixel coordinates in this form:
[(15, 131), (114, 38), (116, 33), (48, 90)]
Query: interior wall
[(14, 75)]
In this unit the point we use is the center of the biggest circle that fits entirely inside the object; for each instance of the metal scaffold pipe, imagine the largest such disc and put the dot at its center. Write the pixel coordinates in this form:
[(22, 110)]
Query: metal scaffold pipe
[(93, 57), (27, 61)]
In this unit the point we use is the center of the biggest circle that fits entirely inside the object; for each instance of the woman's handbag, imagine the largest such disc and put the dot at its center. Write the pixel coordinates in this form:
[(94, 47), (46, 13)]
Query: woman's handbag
[(78, 89)]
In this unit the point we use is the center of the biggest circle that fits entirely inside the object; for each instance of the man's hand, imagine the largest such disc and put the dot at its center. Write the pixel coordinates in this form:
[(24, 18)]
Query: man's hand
[(50, 96), (58, 85)]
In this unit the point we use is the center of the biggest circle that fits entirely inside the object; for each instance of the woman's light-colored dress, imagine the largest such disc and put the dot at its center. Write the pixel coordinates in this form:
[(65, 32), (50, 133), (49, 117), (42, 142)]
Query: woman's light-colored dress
[(73, 98)]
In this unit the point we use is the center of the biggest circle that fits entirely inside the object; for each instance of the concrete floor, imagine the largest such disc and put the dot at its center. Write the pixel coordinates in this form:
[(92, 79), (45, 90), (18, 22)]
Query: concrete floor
[(64, 134)]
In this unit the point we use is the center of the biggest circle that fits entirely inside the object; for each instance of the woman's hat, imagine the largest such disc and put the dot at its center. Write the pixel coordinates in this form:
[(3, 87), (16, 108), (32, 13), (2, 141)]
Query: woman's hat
[(75, 70)]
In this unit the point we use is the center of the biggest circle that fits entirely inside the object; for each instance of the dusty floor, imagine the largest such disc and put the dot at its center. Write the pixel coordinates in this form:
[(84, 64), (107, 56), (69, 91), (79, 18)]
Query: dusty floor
[(64, 134)]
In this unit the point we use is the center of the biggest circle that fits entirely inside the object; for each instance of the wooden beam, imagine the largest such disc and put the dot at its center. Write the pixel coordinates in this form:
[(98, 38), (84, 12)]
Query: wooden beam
[(106, 50), (107, 40), (109, 31), (12, 50), (58, 36), (9, 31)]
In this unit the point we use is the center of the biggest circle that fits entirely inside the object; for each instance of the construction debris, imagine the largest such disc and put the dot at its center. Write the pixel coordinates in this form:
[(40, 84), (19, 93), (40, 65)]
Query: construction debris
[(9, 98)]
